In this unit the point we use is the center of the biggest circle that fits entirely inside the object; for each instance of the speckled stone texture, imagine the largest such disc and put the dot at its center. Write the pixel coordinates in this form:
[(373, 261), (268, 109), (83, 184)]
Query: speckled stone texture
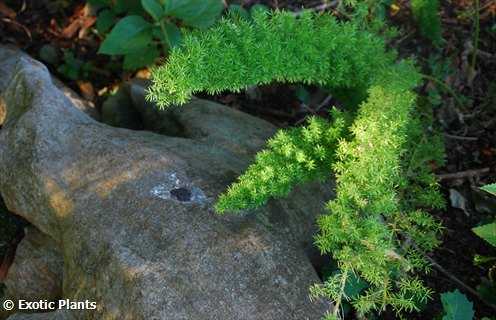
[(131, 211)]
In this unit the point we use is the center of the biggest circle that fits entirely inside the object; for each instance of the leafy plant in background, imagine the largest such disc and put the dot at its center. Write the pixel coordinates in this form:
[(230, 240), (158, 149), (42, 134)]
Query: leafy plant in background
[(456, 306), (74, 68), (380, 153), (239, 10), (440, 69), (426, 12), (150, 27), (487, 288), (68, 64)]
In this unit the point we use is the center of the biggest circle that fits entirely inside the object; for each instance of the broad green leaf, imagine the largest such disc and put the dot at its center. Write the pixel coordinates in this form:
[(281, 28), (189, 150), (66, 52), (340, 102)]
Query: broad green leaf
[(456, 306), (487, 232), (129, 35), (154, 8), (130, 7), (143, 58), (491, 188), (105, 20), (195, 13), (174, 34)]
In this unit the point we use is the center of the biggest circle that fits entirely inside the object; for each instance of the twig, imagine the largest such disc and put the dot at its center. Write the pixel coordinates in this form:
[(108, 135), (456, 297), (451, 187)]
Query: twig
[(20, 25), (324, 103), (318, 8), (462, 174), (458, 281), (448, 274), (325, 6), (455, 137)]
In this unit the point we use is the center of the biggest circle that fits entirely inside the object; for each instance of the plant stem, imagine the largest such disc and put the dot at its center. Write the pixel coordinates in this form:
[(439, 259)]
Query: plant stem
[(344, 276), (445, 87), (476, 36)]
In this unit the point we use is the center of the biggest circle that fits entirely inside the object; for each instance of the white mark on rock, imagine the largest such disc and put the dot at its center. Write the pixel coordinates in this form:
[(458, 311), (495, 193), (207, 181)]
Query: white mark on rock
[(173, 188), (161, 192)]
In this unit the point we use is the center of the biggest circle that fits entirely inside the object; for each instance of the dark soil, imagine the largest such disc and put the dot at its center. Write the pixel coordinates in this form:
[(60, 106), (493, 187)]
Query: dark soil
[(469, 126)]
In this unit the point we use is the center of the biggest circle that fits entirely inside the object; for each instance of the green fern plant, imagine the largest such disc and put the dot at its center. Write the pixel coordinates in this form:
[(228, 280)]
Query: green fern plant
[(426, 12), (377, 228)]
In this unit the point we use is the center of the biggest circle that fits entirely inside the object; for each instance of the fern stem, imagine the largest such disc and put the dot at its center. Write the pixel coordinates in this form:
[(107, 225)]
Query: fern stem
[(344, 277)]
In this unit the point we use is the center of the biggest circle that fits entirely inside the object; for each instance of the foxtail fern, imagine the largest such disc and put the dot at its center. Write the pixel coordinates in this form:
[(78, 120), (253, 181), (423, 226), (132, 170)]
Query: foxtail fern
[(426, 12), (238, 53), (376, 228)]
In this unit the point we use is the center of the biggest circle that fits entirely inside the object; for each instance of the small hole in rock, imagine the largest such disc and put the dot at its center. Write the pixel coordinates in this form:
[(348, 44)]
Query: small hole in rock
[(181, 194)]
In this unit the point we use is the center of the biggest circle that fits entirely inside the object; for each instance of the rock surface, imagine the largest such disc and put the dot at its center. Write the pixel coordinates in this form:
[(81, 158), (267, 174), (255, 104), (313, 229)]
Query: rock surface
[(118, 111), (36, 273), (132, 211)]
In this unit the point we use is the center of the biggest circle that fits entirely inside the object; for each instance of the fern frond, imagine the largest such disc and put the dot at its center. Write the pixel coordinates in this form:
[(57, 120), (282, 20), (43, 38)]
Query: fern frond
[(293, 156), (426, 12), (236, 54)]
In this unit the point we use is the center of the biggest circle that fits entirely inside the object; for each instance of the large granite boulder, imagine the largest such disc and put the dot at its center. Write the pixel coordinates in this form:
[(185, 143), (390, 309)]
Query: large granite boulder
[(131, 211)]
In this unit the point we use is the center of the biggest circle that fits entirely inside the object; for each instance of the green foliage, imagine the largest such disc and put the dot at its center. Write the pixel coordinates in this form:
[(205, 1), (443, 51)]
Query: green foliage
[(487, 232), (131, 34), (74, 68), (68, 64), (236, 9), (195, 13), (491, 188), (149, 25), (487, 287), (426, 12), (440, 69), (377, 227), (456, 306), (237, 53), (375, 207), (293, 156)]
